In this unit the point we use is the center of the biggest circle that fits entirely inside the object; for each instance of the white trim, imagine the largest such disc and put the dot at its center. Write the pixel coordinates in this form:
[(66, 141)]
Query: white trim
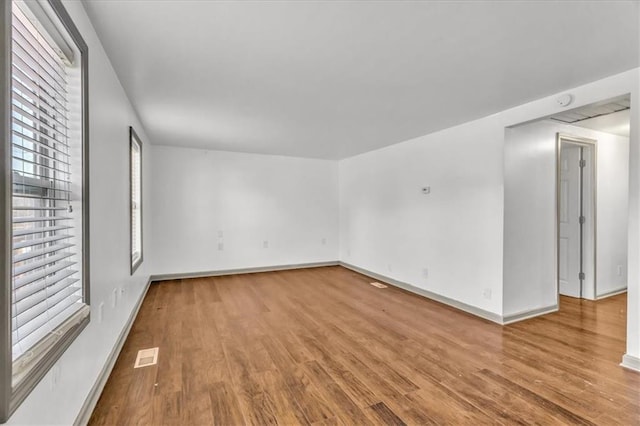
[(429, 295), (612, 293), (94, 394), (630, 362), (523, 315), (184, 275), (37, 353), (43, 17)]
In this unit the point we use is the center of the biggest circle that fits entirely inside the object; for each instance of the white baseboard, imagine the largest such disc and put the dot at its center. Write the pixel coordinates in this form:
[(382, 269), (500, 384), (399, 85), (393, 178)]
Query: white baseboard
[(220, 272), (521, 316), (611, 293), (94, 395), (428, 294), (630, 362)]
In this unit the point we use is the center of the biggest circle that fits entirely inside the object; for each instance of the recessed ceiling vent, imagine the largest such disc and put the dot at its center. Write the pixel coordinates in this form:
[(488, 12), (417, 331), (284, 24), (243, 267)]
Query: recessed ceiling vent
[(591, 111), (146, 357), (379, 285)]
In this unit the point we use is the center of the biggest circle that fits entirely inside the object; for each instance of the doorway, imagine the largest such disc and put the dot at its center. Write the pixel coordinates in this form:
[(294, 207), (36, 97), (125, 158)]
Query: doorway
[(545, 196), (576, 216), (531, 256)]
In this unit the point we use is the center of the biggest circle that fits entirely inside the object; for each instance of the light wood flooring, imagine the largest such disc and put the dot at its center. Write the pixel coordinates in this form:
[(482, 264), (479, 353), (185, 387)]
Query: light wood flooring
[(321, 346)]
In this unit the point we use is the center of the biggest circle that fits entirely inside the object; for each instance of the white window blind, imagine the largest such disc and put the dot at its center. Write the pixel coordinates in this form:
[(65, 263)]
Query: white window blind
[(136, 200), (46, 286)]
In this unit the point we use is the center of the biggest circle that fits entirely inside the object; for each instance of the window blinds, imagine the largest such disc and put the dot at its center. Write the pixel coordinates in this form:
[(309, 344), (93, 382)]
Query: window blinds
[(46, 287)]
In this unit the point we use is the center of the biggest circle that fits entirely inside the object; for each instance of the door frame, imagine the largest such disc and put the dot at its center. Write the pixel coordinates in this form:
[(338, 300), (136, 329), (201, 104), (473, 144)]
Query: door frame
[(592, 145)]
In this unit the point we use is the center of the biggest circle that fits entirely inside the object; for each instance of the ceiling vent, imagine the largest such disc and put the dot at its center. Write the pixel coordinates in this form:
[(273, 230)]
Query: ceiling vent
[(591, 111)]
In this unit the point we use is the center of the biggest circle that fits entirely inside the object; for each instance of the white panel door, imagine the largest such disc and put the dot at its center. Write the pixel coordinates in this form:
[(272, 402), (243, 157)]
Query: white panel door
[(569, 244)]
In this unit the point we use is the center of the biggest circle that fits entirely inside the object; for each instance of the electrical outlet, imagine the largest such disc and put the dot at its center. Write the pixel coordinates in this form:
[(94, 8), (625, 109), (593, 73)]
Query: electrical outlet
[(389, 268), (425, 272), (220, 246), (348, 252), (265, 244), (619, 270), (487, 293)]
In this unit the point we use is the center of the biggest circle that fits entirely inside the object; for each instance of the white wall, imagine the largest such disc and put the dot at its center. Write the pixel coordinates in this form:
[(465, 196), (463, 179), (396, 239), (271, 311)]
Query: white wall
[(529, 243), (249, 198), (110, 116), (612, 211), (388, 227), (633, 291), (530, 213)]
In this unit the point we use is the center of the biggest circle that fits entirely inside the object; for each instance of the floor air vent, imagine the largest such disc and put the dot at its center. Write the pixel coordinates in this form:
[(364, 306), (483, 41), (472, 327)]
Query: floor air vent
[(379, 285), (146, 357)]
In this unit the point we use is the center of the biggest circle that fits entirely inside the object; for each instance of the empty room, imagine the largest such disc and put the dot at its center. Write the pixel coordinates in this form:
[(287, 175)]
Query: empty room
[(320, 212)]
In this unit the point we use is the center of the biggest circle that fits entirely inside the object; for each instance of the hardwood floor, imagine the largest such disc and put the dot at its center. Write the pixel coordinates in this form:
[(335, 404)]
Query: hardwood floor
[(321, 346)]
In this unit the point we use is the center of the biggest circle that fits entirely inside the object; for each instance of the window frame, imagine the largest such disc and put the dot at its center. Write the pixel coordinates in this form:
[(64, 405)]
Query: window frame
[(10, 397), (134, 138)]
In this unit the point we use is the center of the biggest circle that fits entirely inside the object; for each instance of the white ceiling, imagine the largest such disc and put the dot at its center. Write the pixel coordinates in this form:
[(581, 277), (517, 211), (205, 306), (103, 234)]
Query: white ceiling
[(617, 123), (333, 79)]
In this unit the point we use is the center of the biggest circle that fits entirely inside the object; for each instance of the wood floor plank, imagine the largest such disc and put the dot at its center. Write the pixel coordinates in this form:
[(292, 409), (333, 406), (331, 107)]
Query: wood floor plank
[(357, 390), (343, 405), (168, 408), (437, 405), (197, 408), (384, 415), (321, 346), (284, 407), (224, 405), (569, 416), (309, 399)]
